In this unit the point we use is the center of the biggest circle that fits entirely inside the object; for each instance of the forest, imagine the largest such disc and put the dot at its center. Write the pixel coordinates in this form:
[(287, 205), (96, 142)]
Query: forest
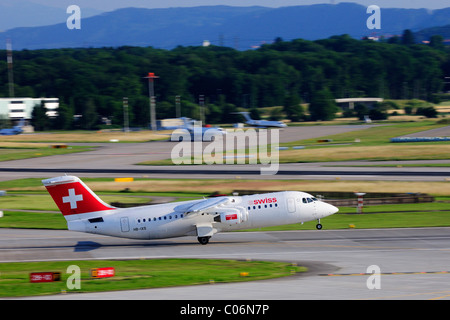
[(92, 82)]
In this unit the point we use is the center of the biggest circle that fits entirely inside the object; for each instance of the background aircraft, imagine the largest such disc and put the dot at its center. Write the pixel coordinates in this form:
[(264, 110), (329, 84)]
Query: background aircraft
[(262, 123), (14, 130), (196, 132), (85, 212)]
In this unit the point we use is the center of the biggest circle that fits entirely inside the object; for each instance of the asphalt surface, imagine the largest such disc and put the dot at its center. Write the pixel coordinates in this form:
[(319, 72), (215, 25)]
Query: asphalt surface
[(112, 159), (414, 263)]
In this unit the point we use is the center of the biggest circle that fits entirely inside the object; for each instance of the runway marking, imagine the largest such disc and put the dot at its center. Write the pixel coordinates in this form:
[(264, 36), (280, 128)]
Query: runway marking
[(413, 295), (441, 297)]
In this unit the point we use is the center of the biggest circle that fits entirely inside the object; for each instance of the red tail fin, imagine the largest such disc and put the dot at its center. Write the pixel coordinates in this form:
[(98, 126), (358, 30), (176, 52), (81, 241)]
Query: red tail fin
[(72, 196)]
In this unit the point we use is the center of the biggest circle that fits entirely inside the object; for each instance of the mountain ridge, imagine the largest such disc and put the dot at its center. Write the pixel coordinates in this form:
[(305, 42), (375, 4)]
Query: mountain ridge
[(239, 27)]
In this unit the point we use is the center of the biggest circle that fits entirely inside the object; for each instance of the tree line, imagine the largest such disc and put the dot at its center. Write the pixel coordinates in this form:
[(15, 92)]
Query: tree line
[(91, 82)]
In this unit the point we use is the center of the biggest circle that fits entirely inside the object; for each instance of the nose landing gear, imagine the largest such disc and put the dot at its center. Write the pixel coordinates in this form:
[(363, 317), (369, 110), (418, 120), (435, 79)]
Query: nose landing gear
[(318, 225)]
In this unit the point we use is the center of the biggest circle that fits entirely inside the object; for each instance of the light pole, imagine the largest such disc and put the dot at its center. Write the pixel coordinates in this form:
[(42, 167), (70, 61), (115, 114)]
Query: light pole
[(151, 96), (177, 106), (126, 126), (9, 58), (360, 201), (202, 109)]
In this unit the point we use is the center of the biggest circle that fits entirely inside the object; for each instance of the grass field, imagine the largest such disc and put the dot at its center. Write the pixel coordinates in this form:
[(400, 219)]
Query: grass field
[(28, 205), (17, 151), (372, 143), (88, 136), (204, 187), (26, 196), (137, 274)]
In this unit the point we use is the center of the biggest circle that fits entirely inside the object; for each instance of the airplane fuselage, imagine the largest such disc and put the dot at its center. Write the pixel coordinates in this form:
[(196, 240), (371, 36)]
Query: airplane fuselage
[(170, 220)]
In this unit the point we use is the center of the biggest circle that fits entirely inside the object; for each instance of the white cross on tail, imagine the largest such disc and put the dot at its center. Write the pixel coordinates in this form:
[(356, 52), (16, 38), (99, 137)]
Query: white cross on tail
[(72, 198)]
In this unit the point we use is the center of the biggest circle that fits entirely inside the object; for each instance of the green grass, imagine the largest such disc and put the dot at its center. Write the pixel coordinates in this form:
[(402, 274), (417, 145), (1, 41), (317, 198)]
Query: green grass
[(376, 135), (388, 216), (137, 274), (40, 212), (373, 144), (7, 154), (374, 221), (32, 220), (44, 202)]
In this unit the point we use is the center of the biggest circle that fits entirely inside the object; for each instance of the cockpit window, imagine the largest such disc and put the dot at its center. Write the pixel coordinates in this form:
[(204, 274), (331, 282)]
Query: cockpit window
[(309, 200)]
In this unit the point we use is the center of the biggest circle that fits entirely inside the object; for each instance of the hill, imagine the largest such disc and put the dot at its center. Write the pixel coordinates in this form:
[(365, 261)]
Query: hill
[(25, 13), (238, 27)]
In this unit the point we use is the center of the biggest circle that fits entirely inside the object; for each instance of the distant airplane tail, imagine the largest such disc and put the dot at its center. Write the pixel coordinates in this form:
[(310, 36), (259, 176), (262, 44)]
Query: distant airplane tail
[(246, 115), (187, 123), (73, 197)]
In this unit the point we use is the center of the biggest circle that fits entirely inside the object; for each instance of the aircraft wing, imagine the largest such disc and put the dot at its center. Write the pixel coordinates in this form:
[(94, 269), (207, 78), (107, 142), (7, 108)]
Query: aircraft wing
[(206, 205)]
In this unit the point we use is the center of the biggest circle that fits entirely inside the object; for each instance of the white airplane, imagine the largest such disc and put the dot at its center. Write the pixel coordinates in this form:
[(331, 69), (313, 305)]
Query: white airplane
[(262, 123), (85, 212), (192, 132)]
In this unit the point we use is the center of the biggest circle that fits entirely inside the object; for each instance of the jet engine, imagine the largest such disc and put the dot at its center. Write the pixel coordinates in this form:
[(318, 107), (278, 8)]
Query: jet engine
[(232, 216)]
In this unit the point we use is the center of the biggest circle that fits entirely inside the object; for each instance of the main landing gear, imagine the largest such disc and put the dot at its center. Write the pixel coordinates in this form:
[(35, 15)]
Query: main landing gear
[(318, 225), (203, 240)]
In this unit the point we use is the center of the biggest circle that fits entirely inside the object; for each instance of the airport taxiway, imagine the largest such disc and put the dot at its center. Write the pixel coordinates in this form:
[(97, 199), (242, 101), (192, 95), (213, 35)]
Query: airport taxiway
[(113, 159), (414, 262)]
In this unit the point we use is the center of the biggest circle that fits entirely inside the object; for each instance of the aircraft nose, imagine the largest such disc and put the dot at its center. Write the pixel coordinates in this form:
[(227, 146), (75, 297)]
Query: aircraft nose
[(334, 209), (330, 209)]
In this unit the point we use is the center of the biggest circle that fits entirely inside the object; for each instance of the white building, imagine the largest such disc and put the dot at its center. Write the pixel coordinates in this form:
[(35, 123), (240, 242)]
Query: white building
[(21, 108), (349, 103)]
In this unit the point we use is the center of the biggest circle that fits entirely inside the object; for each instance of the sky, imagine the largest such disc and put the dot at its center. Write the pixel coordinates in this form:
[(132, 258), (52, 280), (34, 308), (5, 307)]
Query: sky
[(109, 5)]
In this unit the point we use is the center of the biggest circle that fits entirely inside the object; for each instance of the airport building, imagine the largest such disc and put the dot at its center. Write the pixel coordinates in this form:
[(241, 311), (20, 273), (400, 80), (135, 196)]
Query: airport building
[(21, 108), (349, 103)]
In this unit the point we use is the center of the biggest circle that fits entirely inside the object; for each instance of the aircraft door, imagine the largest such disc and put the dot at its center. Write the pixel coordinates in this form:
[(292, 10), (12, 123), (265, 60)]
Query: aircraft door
[(291, 205), (124, 224)]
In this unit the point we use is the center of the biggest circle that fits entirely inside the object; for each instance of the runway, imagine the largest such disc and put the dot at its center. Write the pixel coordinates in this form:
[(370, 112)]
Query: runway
[(289, 171), (413, 262), (113, 159)]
